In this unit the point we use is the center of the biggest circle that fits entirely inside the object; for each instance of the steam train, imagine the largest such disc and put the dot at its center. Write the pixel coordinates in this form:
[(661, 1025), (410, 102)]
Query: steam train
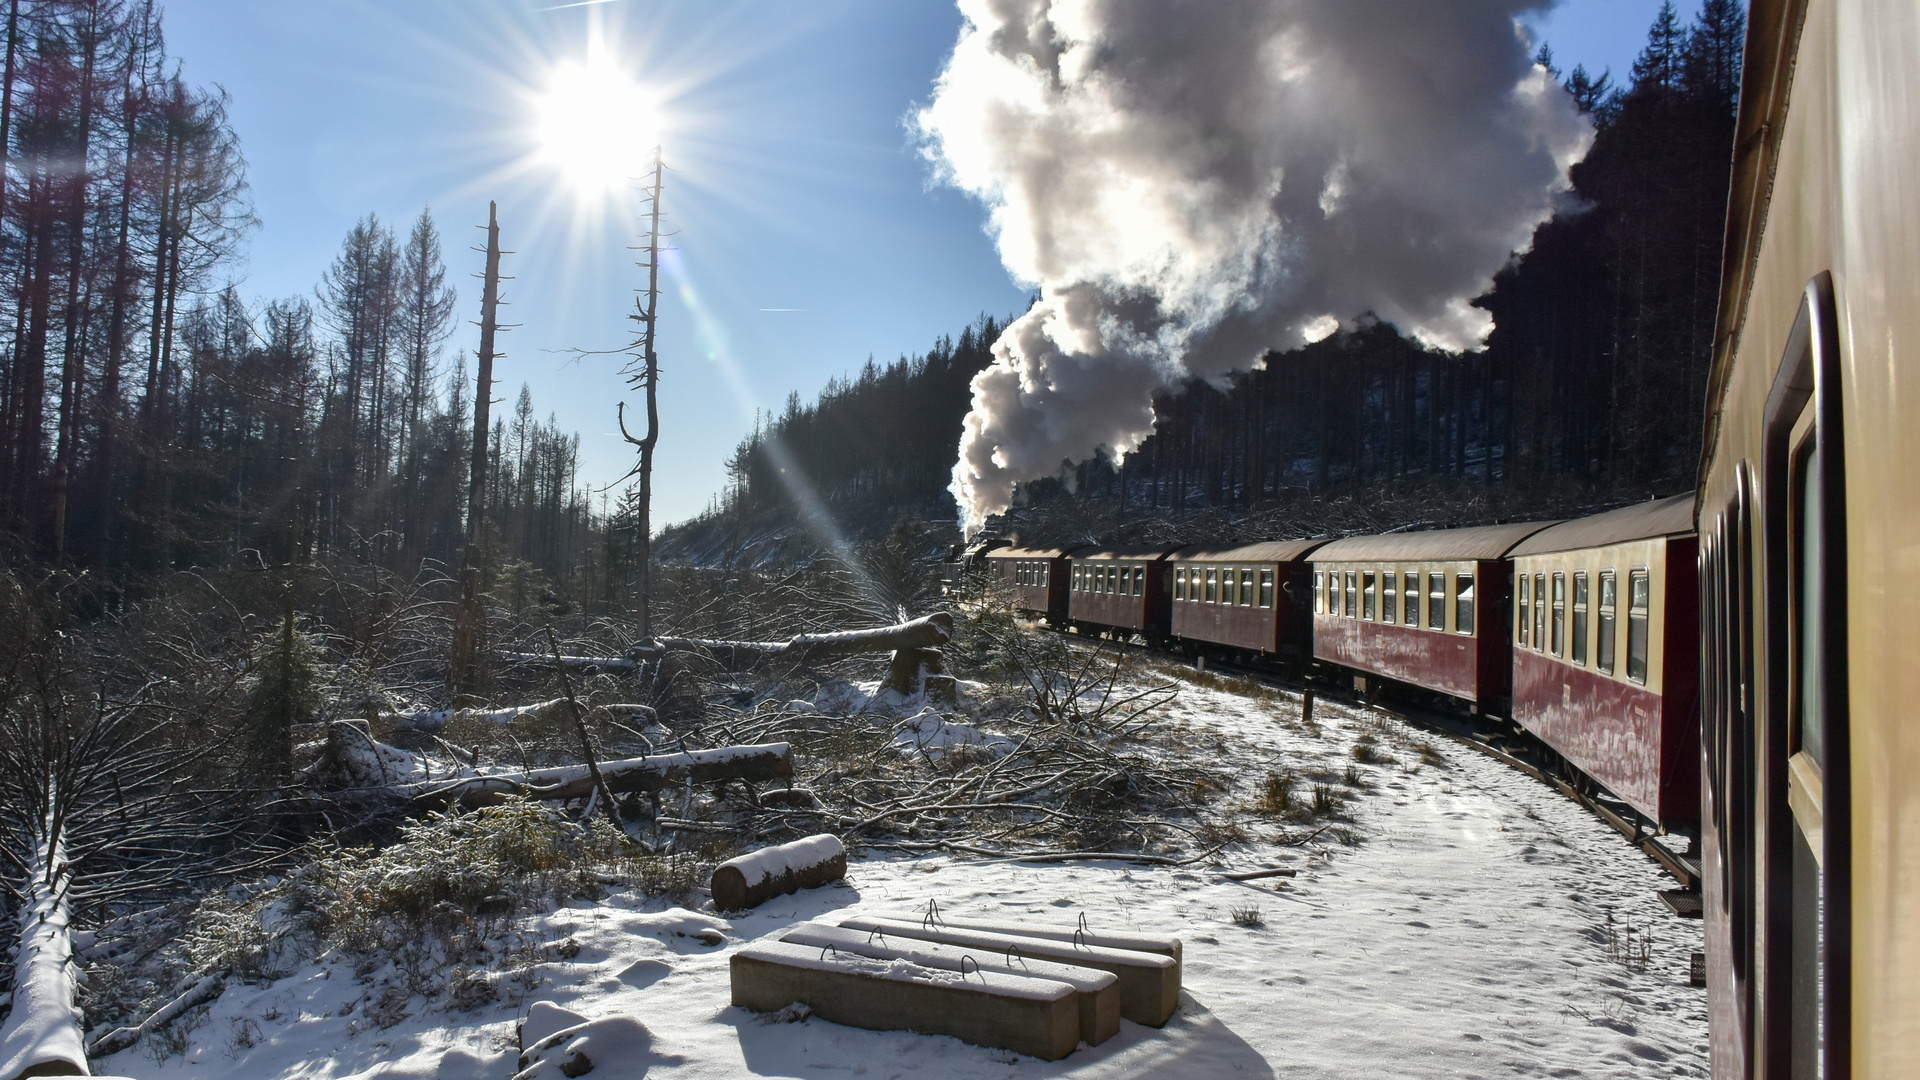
[(1737, 661)]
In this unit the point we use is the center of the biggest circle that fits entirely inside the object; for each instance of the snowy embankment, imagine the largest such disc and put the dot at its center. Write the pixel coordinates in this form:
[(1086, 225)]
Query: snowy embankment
[(1479, 927)]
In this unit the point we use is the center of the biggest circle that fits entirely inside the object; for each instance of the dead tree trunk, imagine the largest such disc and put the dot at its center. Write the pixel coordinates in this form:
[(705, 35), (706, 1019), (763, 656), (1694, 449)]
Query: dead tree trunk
[(42, 1036), (647, 377), (469, 624)]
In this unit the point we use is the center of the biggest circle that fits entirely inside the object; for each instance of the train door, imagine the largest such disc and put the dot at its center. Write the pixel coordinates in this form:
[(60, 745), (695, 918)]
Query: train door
[(1804, 756)]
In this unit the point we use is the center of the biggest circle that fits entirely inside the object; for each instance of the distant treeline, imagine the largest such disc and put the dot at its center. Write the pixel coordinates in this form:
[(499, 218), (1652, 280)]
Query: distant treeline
[(152, 420), (1590, 392)]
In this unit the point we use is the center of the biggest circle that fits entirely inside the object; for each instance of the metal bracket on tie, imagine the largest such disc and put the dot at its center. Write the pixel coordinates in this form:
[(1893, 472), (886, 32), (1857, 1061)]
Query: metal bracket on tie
[(1079, 939), (877, 932), (932, 919), (976, 968), (1083, 923), (825, 949), (1013, 952)]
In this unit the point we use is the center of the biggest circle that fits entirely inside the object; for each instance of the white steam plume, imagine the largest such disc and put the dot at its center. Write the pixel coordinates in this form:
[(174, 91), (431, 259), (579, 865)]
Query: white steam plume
[(1193, 182)]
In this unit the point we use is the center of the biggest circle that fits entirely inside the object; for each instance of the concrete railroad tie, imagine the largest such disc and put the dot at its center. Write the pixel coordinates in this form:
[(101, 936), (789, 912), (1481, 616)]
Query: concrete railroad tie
[(1096, 992), (1149, 982), (1037, 1017), (1165, 946)]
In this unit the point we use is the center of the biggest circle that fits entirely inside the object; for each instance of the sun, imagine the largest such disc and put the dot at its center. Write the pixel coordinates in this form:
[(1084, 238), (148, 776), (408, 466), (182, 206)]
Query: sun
[(595, 125)]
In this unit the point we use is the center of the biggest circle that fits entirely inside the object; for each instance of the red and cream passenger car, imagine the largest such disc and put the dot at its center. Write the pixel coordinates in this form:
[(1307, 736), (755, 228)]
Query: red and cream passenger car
[(1427, 609), (1256, 597), (1606, 647), (1037, 576), (1120, 589)]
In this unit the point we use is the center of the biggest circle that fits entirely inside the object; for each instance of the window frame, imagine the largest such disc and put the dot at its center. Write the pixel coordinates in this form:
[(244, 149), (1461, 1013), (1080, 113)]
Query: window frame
[(1606, 623), (1523, 600), (1557, 621), (1369, 589), (1582, 597), (1266, 597), (1410, 599), (1465, 598), (1643, 616), (1437, 601), (1353, 593)]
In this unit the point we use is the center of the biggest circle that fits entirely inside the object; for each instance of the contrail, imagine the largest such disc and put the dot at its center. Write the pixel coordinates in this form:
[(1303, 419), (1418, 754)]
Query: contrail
[(1193, 185)]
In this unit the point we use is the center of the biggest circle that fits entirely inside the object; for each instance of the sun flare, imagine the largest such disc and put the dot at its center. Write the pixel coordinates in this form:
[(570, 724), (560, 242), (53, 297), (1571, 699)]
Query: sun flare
[(595, 125)]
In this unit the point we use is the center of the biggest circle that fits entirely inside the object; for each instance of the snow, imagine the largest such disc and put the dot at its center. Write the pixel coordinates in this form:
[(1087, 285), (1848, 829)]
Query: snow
[(927, 732), (782, 859), (43, 1031), (1465, 934)]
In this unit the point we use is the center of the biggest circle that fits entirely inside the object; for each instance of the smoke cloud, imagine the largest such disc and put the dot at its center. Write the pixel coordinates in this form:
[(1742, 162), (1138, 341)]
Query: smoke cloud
[(1190, 183)]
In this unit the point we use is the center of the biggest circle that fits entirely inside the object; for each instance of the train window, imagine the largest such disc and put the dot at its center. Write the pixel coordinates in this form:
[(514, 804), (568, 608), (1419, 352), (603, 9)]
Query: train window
[(1639, 599), (1436, 601), (1266, 588), (1139, 581), (1603, 630), (1463, 603), (1559, 613), (1180, 583), (1388, 612), (1539, 612), (1412, 597), (1046, 574), (1353, 592), (1525, 600), (1319, 592), (1213, 586), (1246, 588), (1366, 596), (1333, 592), (1078, 574), (1580, 617)]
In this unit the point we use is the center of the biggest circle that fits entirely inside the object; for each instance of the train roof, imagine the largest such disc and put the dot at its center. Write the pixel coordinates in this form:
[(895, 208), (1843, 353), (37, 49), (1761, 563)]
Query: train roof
[(1265, 551), (1438, 545), (1641, 521), (1149, 552), (1032, 553)]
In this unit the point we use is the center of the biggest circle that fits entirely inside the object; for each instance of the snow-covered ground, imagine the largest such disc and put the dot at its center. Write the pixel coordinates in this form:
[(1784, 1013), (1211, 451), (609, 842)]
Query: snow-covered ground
[(1478, 928)]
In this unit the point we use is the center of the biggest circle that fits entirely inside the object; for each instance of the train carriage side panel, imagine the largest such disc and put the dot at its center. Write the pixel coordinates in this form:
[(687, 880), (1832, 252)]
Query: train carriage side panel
[(1450, 639), (1809, 508), (1601, 671), (1120, 589), (1263, 607)]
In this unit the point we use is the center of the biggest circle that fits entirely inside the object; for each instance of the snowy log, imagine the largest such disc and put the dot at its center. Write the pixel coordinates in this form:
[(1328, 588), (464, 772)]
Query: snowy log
[(42, 1036), (922, 633), (121, 1038), (755, 764), (755, 878)]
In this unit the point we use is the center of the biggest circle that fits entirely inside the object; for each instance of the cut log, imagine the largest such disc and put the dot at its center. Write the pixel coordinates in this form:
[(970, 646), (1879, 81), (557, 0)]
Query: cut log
[(757, 877)]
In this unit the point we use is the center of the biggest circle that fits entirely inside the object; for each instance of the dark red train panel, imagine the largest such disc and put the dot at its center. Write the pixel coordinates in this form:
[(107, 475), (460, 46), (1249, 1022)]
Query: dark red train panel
[(1265, 607), (1120, 588), (1037, 576)]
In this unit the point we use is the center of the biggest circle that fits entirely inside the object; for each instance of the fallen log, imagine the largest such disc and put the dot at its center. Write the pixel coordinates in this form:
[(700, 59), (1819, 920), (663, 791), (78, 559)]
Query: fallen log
[(121, 1038), (757, 877), (754, 764), (914, 644), (42, 1037)]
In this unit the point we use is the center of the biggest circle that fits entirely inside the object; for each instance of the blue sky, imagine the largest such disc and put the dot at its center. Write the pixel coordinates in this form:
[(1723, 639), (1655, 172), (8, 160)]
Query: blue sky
[(809, 236)]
